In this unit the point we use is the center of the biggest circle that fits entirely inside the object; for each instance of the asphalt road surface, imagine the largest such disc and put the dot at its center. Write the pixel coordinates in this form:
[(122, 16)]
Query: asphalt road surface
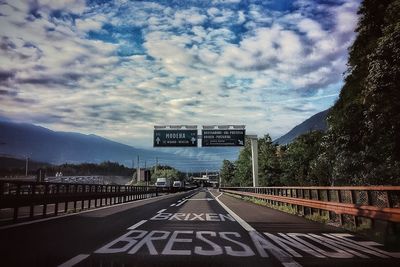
[(196, 228)]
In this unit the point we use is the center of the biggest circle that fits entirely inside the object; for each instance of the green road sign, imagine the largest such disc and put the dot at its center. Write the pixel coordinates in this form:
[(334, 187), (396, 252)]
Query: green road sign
[(223, 137), (172, 138)]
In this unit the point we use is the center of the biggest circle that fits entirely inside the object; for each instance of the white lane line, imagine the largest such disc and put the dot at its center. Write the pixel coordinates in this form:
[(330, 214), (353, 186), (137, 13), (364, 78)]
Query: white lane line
[(242, 222), (172, 205), (74, 260), (180, 204), (208, 199), (212, 194), (161, 210), (133, 227), (284, 258)]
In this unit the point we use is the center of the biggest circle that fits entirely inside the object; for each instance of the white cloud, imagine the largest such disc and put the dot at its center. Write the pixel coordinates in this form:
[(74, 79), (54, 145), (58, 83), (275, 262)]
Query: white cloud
[(189, 16), (90, 24), (194, 66), (74, 6)]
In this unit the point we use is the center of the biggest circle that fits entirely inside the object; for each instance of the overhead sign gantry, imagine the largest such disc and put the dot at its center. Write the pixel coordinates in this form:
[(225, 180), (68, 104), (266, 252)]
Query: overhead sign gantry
[(212, 136), (175, 136), (223, 135)]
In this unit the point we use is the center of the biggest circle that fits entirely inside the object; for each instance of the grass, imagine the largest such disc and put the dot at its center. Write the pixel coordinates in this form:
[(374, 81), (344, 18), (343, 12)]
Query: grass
[(261, 202), (363, 226), (318, 218)]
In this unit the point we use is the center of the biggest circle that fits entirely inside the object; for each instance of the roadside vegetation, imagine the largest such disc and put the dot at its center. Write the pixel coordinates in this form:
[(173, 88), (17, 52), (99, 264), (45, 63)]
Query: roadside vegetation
[(362, 143)]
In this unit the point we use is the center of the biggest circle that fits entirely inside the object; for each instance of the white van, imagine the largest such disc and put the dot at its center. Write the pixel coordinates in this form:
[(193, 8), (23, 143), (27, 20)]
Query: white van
[(177, 184), (162, 182)]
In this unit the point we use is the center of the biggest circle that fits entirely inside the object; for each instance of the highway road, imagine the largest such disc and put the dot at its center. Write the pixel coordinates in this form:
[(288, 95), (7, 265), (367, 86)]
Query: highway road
[(196, 228)]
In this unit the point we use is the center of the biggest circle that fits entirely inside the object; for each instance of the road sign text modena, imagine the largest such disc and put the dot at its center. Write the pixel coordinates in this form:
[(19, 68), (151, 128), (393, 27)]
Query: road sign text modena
[(166, 138), (223, 137)]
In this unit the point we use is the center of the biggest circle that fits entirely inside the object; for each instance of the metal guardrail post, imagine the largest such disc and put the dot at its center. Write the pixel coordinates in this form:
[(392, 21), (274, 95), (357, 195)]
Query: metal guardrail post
[(56, 204), (353, 200), (339, 199), (32, 207), (75, 190), (66, 191)]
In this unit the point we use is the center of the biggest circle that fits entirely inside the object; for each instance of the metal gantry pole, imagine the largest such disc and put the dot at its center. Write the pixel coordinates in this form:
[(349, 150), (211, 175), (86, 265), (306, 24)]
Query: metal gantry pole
[(254, 160), (138, 170)]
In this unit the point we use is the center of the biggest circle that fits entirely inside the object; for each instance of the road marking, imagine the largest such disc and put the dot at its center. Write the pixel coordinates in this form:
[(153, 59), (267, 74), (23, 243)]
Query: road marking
[(148, 241), (217, 243), (180, 204), (172, 205), (161, 210), (207, 199), (260, 242), (137, 225), (164, 216), (244, 224), (168, 250), (74, 260)]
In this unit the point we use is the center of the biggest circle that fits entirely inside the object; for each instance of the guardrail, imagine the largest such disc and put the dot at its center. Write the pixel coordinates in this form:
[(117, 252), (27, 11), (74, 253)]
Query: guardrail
[(18, 194), (340, 204)]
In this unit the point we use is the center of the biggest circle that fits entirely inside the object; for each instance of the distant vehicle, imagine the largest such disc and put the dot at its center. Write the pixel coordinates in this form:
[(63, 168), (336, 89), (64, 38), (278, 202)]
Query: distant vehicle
[(162, 182), (177, 184)]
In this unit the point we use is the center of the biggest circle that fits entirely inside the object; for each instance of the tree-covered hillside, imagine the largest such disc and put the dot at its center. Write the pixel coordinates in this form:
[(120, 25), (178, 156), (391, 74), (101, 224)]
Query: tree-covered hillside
[(362, 143)]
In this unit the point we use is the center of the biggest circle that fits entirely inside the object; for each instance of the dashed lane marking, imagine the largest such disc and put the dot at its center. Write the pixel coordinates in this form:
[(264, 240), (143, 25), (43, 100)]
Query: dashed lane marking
[(160, 211), (137, 225), (75, 260), (207, 199), (180, 204)]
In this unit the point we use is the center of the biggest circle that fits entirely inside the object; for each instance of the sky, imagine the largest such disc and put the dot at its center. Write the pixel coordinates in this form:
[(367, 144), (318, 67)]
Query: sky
[(117, 68)]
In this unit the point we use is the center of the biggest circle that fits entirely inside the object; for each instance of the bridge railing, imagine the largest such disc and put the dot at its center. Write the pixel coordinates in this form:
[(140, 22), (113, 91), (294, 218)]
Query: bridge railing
[(27, 194), (343, 205)]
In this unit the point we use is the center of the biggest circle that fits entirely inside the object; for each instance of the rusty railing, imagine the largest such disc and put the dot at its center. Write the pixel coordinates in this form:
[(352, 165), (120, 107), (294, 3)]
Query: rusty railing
[(340, 204)]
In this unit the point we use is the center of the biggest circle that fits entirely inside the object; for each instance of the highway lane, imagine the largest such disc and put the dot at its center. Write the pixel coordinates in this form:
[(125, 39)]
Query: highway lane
[(52, 242), (199, 228)]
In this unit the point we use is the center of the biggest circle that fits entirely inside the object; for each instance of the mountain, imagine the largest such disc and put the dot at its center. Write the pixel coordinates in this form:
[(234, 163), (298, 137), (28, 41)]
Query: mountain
[(316, 122), (10, 162), (44, 145)]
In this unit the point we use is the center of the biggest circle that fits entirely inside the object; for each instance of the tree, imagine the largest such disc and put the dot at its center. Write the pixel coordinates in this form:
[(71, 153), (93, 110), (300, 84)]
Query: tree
[(165, 172), (381, 97), (227, 173), (243, 173), (297, 160), (269, 170), (362, 142)]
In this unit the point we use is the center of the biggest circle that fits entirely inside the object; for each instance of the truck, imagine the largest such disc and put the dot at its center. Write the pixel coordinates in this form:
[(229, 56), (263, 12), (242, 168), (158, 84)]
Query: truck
[(163, 182)]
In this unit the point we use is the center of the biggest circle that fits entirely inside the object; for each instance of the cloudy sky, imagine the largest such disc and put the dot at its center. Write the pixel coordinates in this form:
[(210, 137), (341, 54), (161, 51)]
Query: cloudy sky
[(117, 68)]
